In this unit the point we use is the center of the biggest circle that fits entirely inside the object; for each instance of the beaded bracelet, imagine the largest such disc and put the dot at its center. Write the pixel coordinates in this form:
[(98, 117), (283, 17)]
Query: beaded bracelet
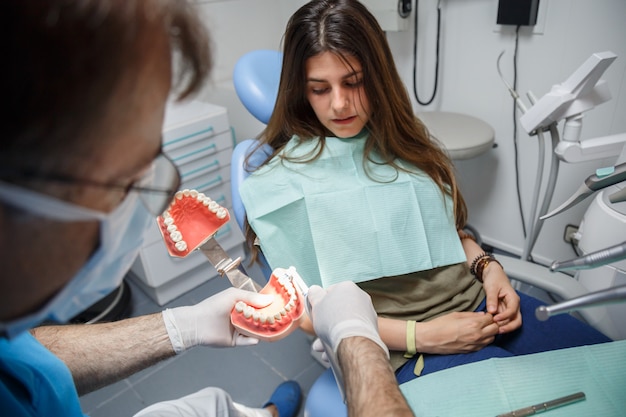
[(475, 261), (482, 264)]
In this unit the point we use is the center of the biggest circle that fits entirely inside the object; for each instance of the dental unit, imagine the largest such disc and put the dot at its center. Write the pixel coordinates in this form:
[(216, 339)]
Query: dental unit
[(603, 227)]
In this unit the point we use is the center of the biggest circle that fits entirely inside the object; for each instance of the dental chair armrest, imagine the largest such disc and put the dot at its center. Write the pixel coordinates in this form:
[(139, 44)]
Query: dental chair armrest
[(556, 283)]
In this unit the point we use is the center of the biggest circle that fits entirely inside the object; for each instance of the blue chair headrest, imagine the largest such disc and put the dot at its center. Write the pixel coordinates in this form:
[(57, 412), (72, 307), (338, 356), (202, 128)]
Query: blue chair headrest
[(256, 77)]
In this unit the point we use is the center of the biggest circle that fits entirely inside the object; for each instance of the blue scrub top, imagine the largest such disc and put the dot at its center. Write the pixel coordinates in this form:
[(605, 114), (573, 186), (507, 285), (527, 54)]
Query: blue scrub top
[(34, 382)]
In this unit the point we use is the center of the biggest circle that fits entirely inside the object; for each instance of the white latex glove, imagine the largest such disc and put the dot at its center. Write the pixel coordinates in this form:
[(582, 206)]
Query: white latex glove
[(208, 322), (343, 310), (318, 347)]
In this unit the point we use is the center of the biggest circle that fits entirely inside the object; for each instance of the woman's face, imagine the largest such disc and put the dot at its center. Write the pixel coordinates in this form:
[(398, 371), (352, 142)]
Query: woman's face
[(335, 91)]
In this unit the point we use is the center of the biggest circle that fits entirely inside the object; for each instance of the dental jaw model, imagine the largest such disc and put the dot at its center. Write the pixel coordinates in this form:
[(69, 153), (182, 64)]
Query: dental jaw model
[(191, 219), (191, 222), (279, 318)]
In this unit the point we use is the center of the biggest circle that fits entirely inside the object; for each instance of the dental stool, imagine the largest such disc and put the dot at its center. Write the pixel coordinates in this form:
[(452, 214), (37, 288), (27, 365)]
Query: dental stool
[(463, 136)]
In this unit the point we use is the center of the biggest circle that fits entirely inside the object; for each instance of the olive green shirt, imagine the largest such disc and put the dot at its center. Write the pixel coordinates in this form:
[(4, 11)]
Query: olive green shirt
[(424, 295)]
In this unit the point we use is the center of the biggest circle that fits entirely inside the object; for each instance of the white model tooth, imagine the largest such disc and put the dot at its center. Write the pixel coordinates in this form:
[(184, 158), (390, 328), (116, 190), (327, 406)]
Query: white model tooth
[(247, 312), (179, 195), (240, 306), (283, 312), (213, 206), (283, 280), (206, 201), (290, 290), (166, 215), (270, 320), (278, 316), (176, 236), (181, 246), (186, 192), (172, 228), (256, 315), (294, 298), (193, 193), (221, 213), (288, 306), (168, 221), (262, 318)]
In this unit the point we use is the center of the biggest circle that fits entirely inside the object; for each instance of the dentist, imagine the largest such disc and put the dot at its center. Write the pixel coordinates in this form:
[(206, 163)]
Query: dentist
[(81, 176)]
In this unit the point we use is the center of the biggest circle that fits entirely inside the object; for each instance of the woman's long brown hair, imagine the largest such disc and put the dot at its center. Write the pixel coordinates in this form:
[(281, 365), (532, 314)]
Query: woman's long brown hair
[(347, 28)]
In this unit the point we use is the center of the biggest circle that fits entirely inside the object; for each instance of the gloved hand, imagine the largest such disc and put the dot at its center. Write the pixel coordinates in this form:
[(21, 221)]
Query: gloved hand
[(343, 310), (208, 322)]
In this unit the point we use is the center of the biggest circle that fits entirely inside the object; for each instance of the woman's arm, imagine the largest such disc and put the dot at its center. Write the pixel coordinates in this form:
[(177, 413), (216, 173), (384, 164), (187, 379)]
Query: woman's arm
[(458, 332), (502, 300)]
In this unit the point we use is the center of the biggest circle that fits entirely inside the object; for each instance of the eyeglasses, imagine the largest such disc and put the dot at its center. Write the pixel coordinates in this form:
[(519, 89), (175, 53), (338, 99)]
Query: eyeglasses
[(156, 187)]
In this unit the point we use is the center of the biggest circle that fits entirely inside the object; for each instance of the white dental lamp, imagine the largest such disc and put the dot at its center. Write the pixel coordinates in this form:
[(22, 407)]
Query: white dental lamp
[(603, 228), (581, 92)]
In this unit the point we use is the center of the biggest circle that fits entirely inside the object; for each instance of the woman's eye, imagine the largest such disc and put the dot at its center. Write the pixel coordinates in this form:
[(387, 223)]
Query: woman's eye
[(354, 84), (319, 91)]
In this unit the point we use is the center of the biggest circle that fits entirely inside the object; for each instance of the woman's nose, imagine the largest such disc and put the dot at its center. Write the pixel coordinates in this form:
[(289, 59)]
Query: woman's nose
[(340, 100)]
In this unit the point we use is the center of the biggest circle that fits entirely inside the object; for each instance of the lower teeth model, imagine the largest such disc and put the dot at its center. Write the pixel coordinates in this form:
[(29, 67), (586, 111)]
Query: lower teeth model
[(279, 318), (191, 219)]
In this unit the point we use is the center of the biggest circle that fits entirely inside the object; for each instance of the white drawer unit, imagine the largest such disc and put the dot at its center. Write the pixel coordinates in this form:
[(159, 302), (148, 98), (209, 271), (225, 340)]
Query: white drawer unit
[(197, 137)]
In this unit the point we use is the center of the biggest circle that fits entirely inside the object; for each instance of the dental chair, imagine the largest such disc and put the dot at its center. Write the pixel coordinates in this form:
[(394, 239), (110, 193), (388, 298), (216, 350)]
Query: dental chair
[(256, 77)]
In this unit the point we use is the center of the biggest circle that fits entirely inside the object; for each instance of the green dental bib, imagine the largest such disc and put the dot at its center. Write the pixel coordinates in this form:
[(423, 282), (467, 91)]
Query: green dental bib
[(335, 222)]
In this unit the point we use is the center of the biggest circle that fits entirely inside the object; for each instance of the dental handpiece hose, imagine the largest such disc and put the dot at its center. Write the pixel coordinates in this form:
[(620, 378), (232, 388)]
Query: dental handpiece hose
[(594, 259)]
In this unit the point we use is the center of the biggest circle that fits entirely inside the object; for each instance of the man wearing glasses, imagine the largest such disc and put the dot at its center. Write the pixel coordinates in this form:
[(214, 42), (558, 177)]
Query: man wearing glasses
[(81, 176)]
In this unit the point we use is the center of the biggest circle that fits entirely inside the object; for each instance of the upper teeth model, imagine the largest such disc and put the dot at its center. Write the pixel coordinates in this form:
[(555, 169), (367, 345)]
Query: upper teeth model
[(191, 219)]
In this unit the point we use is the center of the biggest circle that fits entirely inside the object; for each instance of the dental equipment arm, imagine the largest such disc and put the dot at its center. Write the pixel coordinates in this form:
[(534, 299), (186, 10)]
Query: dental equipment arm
[(594, 299), (592, 184), (581, 92), (593, 260)]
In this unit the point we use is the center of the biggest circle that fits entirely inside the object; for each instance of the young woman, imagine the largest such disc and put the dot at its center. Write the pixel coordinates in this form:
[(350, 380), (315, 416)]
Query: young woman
[(357, 189)]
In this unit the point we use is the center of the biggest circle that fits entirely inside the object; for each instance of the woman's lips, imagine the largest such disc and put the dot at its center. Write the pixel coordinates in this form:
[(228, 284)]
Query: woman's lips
[(345, 121)]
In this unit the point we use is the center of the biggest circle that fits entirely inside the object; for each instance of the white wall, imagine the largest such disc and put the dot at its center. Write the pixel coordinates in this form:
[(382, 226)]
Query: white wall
[(569, 31)]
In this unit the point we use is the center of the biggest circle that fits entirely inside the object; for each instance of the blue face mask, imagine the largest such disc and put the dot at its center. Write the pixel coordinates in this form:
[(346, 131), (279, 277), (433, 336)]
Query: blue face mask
[(121, 236)]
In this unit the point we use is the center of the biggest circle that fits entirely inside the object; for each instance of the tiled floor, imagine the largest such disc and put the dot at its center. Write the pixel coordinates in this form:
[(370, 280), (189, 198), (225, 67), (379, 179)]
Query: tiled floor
[(248, 374)]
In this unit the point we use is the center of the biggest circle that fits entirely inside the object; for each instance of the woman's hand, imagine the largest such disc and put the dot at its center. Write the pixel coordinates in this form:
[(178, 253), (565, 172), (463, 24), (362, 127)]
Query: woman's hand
[(502, 300), (458, 332)]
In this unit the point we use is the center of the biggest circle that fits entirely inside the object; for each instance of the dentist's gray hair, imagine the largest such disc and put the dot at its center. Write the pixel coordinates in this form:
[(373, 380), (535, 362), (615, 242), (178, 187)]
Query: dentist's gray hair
[(66, 59)]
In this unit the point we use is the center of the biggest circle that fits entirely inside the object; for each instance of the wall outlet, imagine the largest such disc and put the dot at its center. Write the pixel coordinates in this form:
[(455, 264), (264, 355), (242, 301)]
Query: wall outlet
[(570, 233)]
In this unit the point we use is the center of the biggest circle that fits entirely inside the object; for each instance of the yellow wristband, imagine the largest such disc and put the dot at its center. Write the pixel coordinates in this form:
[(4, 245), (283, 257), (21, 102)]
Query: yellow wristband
[(411, 350)]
